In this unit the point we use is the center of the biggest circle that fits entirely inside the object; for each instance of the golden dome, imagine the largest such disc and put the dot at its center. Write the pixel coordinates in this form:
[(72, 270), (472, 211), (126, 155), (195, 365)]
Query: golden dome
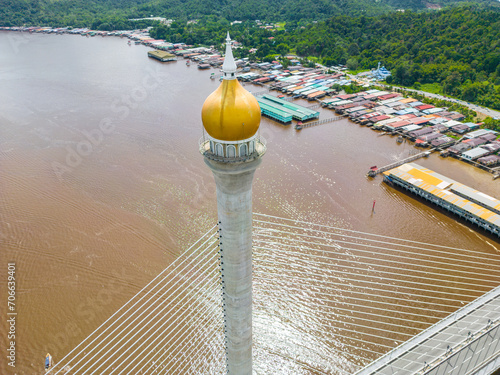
[(231, 113)]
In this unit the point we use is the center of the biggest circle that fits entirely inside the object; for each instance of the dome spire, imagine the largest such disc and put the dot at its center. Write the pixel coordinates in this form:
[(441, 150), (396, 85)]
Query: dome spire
[(230, 113), (229, 66)]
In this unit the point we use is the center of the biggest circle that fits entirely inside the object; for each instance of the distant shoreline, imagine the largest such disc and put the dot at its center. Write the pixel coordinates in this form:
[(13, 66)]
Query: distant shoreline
[(148, 42)]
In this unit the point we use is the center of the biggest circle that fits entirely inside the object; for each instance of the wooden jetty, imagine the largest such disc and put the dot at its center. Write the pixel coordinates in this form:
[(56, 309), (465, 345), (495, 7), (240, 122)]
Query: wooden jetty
[(260, 93), (375, 171), (314, 106), (301, 125)]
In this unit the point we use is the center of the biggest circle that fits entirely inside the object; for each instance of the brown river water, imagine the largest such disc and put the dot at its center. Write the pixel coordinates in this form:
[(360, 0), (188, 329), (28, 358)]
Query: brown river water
[(102, 184)]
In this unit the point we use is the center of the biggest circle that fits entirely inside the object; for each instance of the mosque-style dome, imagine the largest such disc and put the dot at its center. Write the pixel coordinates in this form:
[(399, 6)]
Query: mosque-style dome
[(230, 113)]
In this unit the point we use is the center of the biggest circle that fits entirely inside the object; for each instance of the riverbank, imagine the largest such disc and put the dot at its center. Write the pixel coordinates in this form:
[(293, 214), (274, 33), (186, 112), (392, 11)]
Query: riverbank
[(426, 125), (142, 37)]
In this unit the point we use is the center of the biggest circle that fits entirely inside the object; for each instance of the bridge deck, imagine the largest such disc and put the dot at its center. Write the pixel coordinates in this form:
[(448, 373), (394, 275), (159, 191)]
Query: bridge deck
[(426, 352)]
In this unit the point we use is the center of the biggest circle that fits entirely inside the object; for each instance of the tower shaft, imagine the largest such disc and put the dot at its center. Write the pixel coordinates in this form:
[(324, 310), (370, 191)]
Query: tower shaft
[(234, 206), (233, 150)]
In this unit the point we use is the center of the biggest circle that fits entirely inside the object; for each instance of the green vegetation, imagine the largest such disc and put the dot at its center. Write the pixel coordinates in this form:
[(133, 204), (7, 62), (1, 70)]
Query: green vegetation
[(433, 88), (280, 25), (351, 89), (357, 71), (454, 51), (492, 124), (94, 13)]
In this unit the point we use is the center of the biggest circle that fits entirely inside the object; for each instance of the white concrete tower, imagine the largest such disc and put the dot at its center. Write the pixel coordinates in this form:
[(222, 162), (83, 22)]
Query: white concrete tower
[(233, 149)]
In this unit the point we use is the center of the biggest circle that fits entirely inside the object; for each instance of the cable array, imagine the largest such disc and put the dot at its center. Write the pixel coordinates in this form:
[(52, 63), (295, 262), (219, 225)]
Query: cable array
[(335, 299), (173, 321), (326, 300)]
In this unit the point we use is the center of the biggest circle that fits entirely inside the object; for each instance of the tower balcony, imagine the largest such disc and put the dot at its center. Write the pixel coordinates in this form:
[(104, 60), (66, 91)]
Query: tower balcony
[(232, 152)]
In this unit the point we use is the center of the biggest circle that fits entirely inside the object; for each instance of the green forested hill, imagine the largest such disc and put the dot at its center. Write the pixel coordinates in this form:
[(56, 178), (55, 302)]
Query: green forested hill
[(89, 13), (291, 10), (455, 49), (76, 13)]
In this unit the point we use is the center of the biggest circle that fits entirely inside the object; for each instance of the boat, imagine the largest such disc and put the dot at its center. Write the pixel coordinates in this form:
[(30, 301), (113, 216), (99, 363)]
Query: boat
[(129, 43), (203, 66), (48, 362), (373, 171), (188, 63), (212, 76), (400, 139)]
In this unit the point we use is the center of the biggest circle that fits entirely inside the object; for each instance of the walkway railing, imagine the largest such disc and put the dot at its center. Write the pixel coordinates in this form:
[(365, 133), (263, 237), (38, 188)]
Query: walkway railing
[(476, 354), (319, 122), (374, 172), (461, 337)]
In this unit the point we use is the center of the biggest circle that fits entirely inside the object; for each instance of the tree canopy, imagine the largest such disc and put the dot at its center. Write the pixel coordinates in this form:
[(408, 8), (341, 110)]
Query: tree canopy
[(456, 48), (85, 13)]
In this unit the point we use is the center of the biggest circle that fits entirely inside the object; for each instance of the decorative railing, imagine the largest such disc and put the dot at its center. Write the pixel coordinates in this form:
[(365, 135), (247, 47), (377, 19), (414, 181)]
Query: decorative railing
[(259, 150)]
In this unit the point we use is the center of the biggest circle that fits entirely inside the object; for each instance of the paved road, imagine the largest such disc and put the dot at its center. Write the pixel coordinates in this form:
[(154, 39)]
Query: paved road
[(486, 111), (474, 107)]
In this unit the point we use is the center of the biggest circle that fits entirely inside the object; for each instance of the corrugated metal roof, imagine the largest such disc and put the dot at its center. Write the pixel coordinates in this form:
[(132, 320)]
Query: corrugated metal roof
[(408, 100), (398, 124), (482, 198), (388, 121), (419, 120), (451, 191), (412, 127), (480, 132), (424, 106), (475, 153)]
